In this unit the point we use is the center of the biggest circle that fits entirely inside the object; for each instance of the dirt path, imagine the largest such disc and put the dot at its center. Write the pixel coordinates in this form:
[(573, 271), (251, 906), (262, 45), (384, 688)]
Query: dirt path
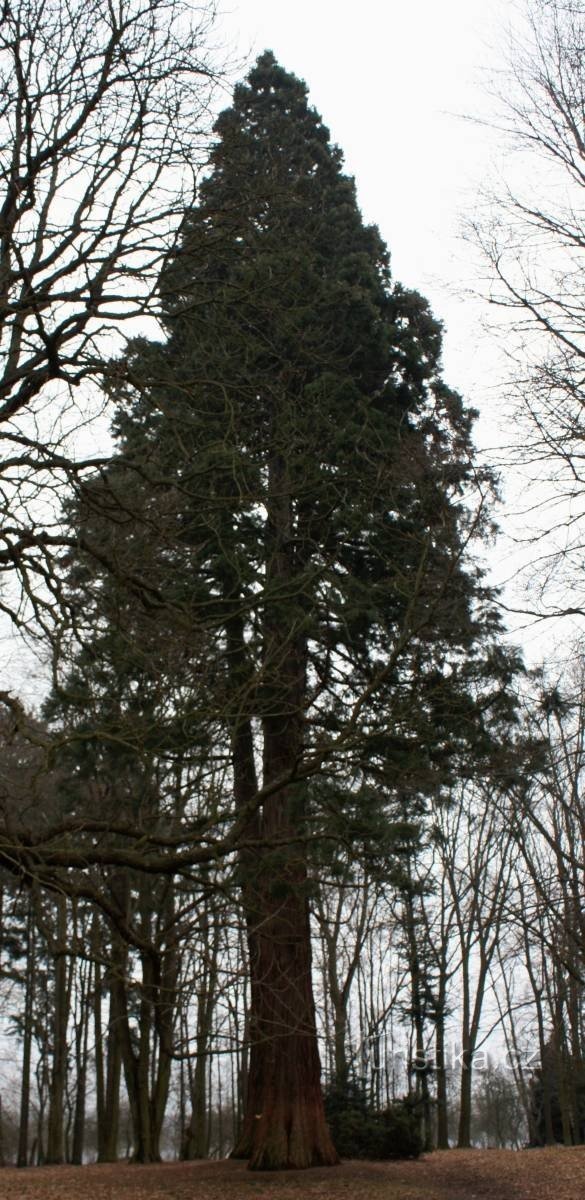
[(556, 1174)]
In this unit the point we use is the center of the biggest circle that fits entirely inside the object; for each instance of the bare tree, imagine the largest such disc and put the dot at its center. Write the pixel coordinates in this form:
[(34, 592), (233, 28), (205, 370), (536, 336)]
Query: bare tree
[(102, 110), (477, 851), (531, 234), (550, 832)]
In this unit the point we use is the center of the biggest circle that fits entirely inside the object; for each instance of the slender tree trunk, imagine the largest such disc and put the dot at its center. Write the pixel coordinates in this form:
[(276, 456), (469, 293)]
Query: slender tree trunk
[(469, 1036), (22, 1154), (165, 968), (465, 1094), (108, 1130), (196, 1139), (558, 1047), (340, 1040), (574, 999), (135, 1064), (549, 1135), (145, 1150), (117, 1029), (417, 1009), (336, 988), (98, 1038), (441, 1069), (243, 1073), (195, 1144), (514, 1051), (81, 1055), (98, 1041), (464, 1130), (55, 1132), (147, 1092)]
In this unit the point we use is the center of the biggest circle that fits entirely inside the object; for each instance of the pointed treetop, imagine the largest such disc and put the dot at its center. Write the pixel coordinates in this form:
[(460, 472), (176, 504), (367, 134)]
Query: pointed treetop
[(267, 105), (268, 77)]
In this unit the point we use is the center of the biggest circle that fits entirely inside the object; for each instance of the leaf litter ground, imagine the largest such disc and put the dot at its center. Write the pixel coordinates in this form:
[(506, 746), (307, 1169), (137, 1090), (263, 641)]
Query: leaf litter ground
[(551, 1174)]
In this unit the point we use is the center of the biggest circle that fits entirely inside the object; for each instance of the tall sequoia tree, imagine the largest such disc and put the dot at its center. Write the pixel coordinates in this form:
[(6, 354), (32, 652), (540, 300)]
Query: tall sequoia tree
[(303, 468)]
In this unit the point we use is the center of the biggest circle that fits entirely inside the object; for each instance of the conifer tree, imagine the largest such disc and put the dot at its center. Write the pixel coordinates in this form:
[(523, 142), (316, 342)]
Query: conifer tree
[(306, 471)]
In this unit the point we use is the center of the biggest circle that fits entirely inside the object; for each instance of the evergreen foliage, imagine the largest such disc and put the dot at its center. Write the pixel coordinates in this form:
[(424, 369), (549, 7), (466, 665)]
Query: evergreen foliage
[(287, 532), (361, 1131), (560, 1082), (297, 472)]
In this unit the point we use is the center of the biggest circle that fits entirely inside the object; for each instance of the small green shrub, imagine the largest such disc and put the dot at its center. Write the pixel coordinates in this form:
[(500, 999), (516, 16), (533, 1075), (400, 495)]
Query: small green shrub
[(361, 1131), (402, 1136)]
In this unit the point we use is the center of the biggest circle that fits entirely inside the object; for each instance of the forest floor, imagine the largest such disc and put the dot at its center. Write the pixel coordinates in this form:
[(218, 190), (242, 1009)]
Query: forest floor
[(558, 1174)]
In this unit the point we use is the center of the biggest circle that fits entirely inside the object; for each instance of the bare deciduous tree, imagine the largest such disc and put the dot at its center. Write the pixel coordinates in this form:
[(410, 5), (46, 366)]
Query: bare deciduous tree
[(531, 233), (102, 110)]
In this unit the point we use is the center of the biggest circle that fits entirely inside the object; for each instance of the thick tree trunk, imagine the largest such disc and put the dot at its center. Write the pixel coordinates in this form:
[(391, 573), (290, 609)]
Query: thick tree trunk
[(284, 1123)]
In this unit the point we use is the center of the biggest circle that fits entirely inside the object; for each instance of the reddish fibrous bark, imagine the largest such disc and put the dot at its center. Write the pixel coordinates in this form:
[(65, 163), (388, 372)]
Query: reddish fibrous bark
[(284, 1123)]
